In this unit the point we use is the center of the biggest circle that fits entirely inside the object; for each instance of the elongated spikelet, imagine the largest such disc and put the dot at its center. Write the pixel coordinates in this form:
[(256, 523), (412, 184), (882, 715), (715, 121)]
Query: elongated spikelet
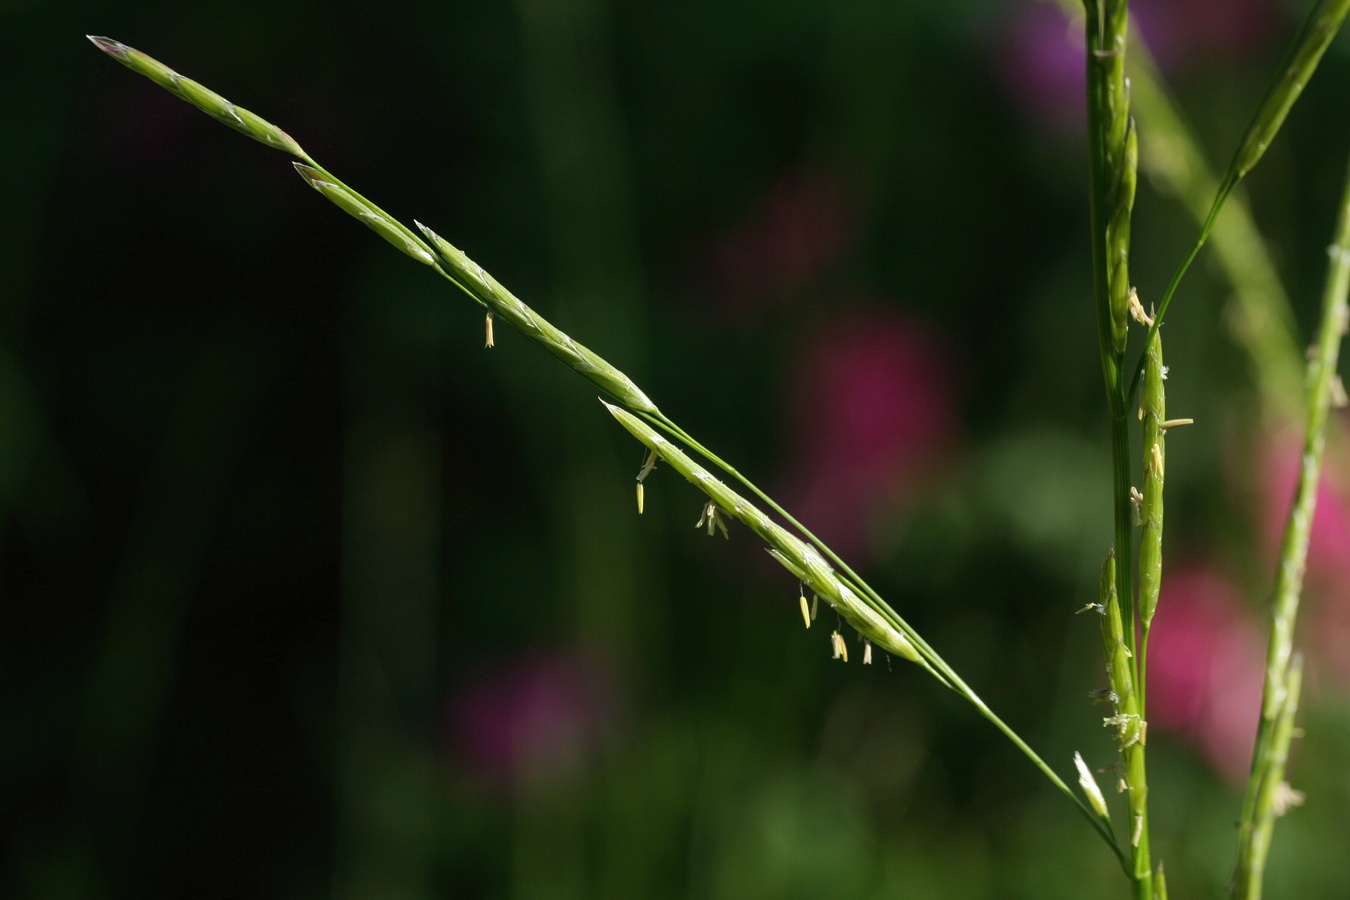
[(205, 99), (1089, 785), (376, 219), (794, 554), (1324, 20), (482, 286), (1152, 403)]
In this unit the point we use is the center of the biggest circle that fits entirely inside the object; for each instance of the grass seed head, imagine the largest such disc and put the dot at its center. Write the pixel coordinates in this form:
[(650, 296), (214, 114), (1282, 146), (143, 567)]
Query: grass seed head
[(489, 292), (200, 96), (1324, 20), (374, 218), (794, 554)]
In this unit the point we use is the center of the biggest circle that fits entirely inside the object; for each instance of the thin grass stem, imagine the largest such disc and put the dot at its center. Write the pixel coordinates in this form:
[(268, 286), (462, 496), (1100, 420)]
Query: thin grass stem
[(1299, 64), (1113, 152), (1279, 694)]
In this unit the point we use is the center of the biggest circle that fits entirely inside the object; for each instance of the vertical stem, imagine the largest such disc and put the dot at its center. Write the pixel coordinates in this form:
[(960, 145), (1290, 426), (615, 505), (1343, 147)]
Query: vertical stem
[(1113, 147), (1280, 695)]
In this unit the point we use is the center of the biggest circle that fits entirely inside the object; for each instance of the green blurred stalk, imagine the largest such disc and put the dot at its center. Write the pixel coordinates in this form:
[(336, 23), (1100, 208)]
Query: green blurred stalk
[(1280, 696), (1263, 319), (392, 576), (1296, 70), (611, 576)]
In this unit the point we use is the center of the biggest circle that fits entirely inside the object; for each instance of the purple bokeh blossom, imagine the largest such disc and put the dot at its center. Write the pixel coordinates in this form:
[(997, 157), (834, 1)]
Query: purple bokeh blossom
[(533, 719), (784, 245), (1039, 51), (872, 412), (1206, 665), (1326, 592)]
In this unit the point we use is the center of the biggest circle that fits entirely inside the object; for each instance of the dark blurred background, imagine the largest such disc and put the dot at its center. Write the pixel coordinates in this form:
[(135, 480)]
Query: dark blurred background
[(306, 594)]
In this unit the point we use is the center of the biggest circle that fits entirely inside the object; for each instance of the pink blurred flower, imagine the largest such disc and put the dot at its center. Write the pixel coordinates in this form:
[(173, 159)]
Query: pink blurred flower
[(1326, 601), (1181, 32), (1329, 545), (1206, 665), (786, 244), (872, 412), (1040, 51), (535, 718), (1042, 69)]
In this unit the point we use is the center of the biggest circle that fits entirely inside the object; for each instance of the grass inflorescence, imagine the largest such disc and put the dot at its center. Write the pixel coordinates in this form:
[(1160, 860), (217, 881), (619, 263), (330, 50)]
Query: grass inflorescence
[(1131, 576)]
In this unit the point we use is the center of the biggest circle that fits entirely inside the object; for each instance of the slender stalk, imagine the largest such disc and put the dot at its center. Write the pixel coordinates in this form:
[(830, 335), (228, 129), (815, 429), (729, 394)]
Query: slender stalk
[(1264, 319), (1280, 694), (1270, 793), (1296, 70), (1128, 721), (942, 670), (1113, 149)]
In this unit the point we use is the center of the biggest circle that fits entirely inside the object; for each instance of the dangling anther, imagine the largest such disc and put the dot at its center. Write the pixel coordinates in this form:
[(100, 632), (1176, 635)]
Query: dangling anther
[(487, 324), (840, 648), (647, 467), (712, 517), (1137, 309)]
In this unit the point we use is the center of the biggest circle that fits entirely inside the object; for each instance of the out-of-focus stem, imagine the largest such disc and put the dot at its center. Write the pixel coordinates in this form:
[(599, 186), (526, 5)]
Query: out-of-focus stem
[(1280, 695)]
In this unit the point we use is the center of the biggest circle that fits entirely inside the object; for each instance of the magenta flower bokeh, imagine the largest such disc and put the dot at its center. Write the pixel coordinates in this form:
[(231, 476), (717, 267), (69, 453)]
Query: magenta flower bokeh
[(1206, 667), (785, 245), (1039, 51), (531, 720), (872, 413), (1326, 595)]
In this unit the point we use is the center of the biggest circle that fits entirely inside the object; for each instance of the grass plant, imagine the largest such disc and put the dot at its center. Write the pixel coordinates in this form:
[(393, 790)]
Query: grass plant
[(1131, 576)]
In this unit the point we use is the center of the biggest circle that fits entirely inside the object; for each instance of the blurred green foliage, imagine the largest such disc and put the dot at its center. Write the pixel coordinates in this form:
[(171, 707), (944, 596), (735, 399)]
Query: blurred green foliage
[(306, 594)]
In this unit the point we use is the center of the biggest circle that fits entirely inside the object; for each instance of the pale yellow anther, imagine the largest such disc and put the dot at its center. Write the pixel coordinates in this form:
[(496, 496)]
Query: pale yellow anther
[(1174, 423), (806, 610), (840, 648), (1286, 798), (1137, 309), (647, 466), (1155, 461), (487, 324), (712, 517), (867, 652), (1137, 502), (1339, 400)]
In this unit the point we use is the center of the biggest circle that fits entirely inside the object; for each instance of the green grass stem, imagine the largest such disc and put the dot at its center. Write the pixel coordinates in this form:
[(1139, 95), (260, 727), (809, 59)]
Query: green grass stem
[(1263, 318), (1279, 695), (1113, 160), (1296, 70)]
